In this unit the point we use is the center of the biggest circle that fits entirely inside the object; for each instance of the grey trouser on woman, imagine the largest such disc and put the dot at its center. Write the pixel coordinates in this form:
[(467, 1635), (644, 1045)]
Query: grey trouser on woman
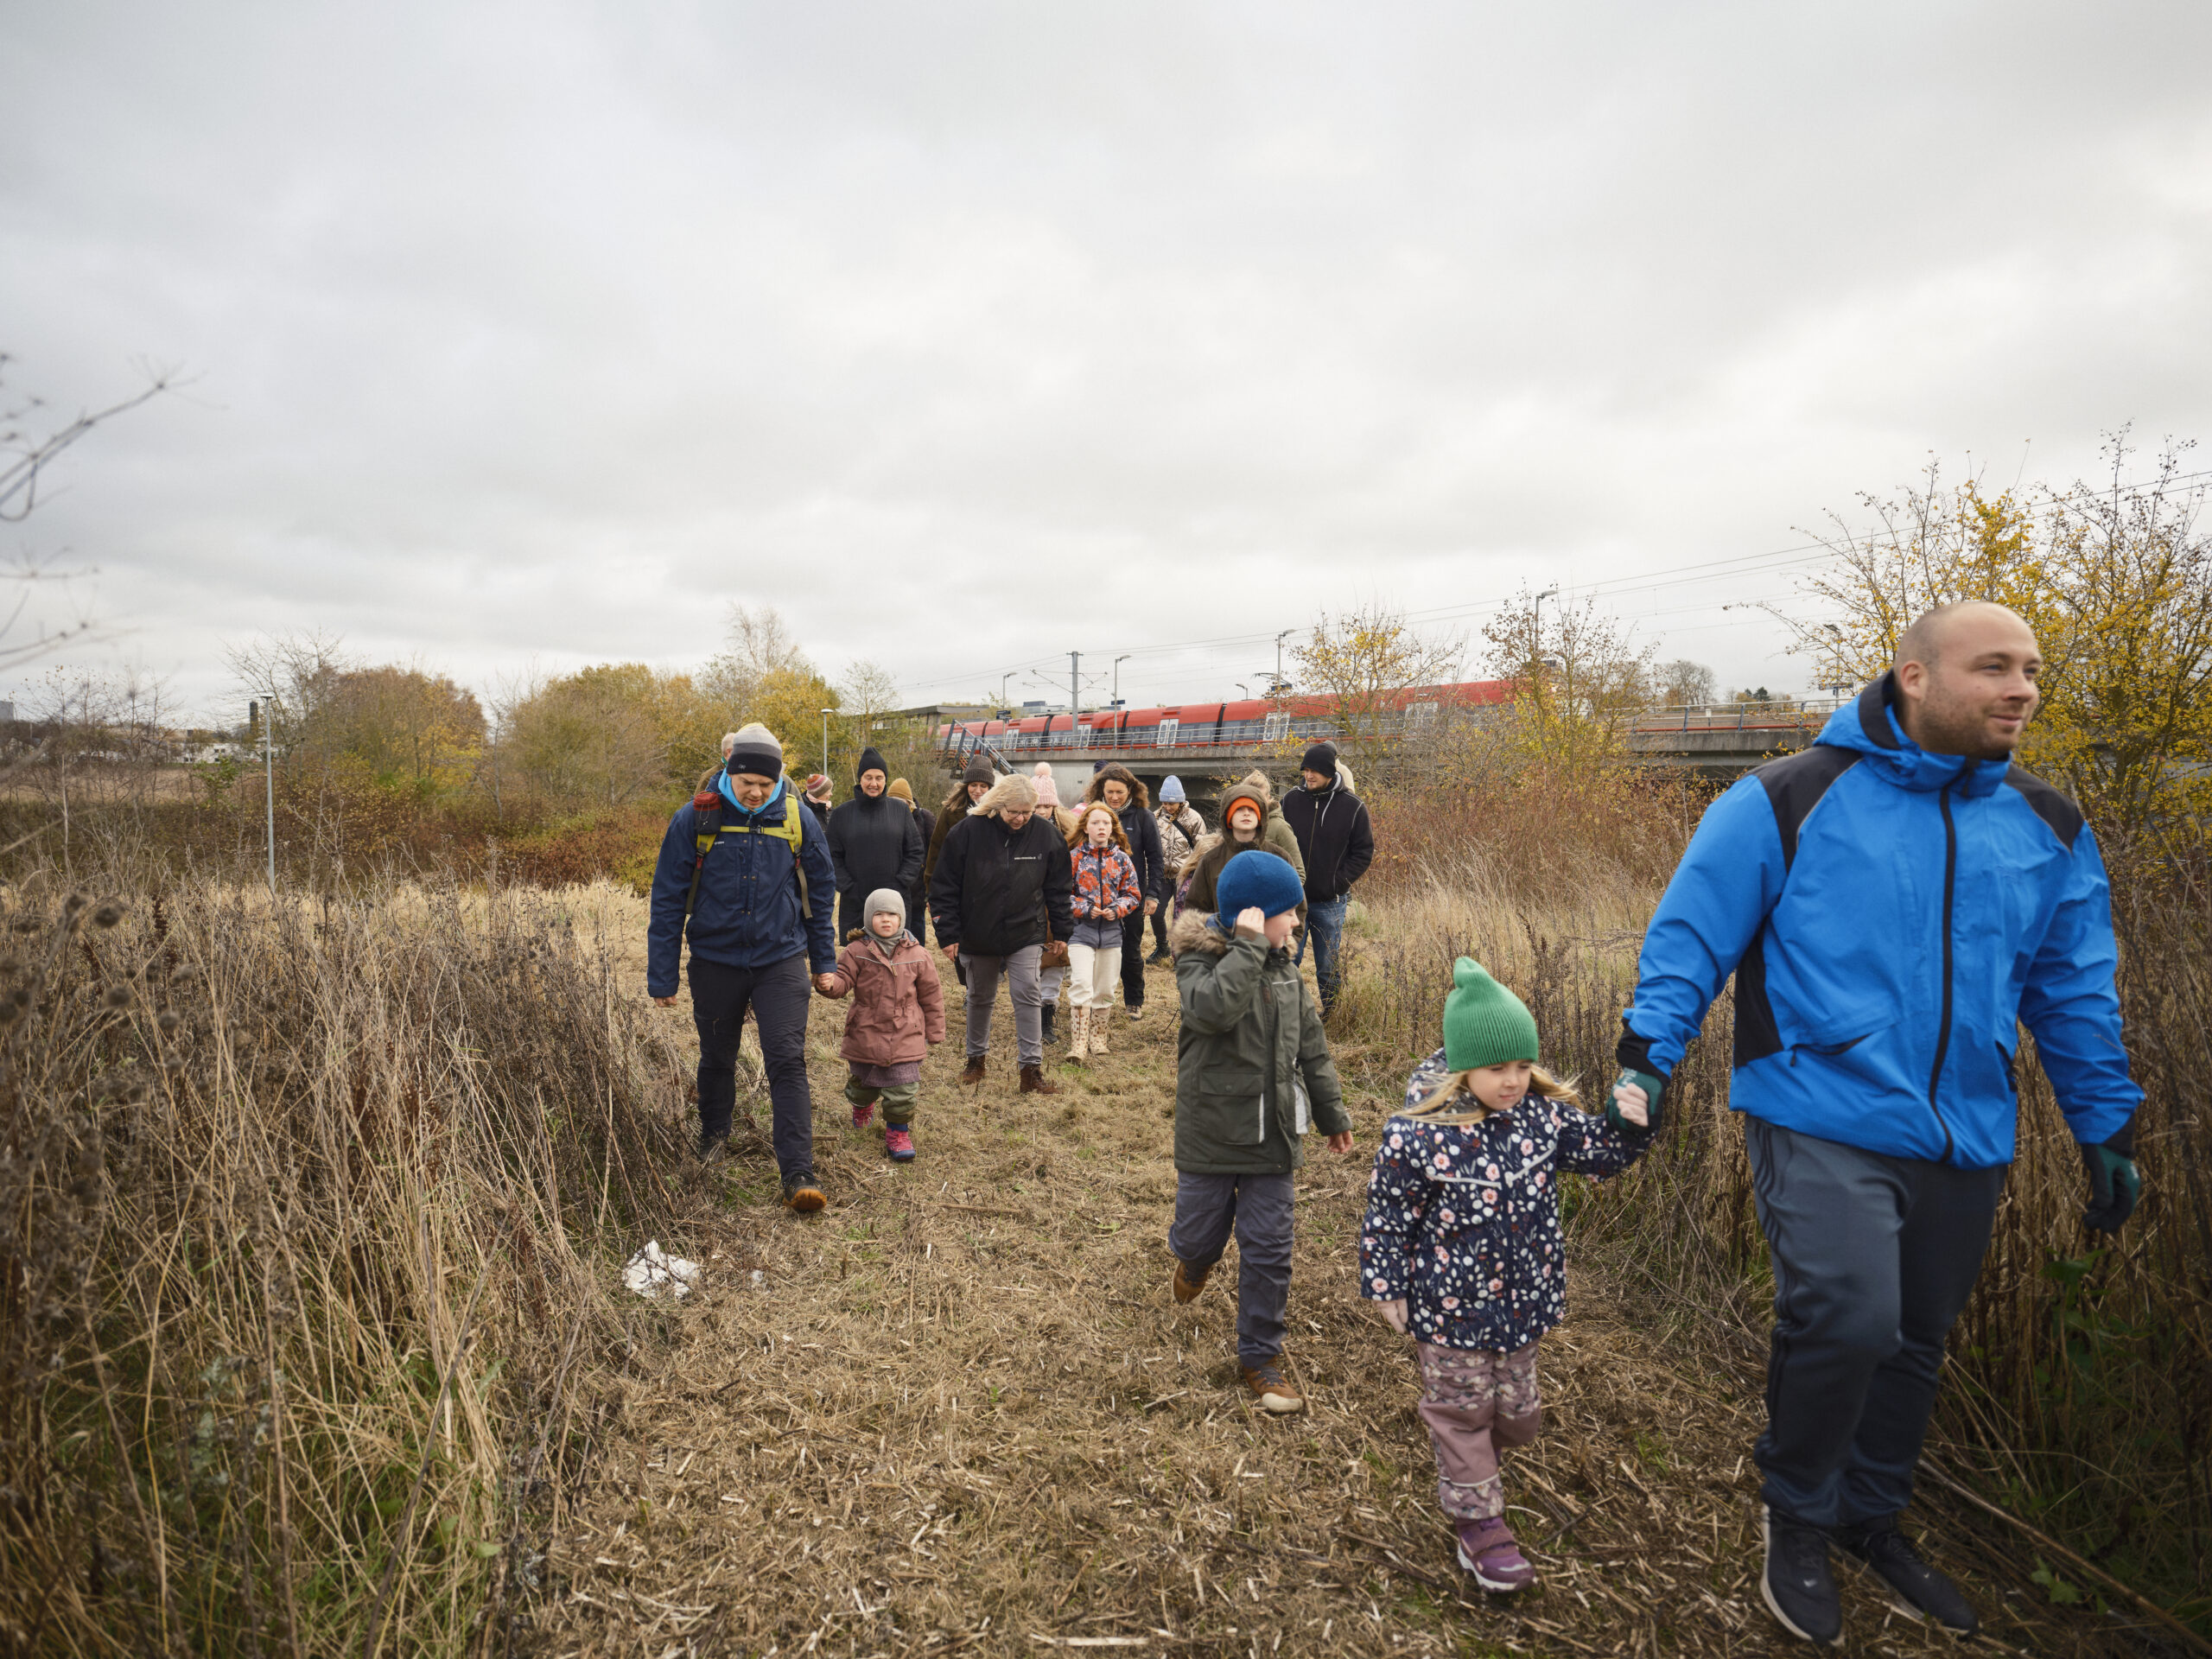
[(1874, 1256), (1259, 1207), (1024, 984)]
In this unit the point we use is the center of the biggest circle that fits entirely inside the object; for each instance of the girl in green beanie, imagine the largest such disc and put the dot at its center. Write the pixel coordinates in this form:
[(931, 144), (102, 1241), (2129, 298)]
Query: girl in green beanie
[(1462, 1246)]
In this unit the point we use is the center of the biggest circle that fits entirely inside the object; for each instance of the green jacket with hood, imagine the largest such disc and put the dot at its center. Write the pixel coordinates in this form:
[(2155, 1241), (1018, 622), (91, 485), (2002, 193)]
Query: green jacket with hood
[(1253, 1071)]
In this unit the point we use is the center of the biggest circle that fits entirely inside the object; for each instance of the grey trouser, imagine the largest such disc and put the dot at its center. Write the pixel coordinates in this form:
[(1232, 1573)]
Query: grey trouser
[(1024, 985), (1874, 1256), (1259, 1207)]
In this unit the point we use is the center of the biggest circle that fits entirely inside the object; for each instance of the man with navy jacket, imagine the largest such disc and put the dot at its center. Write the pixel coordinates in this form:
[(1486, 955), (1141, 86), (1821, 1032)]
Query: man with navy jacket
[(1893, 902)]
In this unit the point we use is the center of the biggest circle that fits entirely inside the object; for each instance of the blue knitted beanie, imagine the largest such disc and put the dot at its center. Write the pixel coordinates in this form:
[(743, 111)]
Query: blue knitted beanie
[(1256, 877)]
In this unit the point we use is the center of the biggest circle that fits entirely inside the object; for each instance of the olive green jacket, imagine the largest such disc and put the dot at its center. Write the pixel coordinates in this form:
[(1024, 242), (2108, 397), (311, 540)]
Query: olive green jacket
[(1253, 1071)]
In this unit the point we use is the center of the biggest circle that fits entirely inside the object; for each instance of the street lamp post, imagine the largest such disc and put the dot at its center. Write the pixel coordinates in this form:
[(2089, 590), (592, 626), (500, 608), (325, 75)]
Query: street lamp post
[(1276, 688), (1118, 661), (260, 713), (825, 743)]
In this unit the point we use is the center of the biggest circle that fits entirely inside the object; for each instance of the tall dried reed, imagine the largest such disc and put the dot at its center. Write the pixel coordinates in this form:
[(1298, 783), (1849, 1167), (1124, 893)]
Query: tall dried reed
[(2080, 1387), (301, 1217)]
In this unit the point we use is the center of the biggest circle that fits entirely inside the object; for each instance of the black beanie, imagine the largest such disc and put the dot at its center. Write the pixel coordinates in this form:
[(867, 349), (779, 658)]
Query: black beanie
[(870, 759), (979, 772), (1321, 758)]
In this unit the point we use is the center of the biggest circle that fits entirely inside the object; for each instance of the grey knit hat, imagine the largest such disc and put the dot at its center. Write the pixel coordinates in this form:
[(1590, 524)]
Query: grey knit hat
[(885, 899), (752, 748)]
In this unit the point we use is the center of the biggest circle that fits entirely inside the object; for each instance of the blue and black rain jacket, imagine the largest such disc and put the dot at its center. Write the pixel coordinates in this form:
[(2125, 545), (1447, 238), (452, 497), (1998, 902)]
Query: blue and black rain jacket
[(1891, 916)]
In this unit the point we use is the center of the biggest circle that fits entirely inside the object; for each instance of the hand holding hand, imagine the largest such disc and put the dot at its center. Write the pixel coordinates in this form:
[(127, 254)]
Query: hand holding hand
[(1340, 1142), (1394, 1315), (826, 983), (1643, 1091)]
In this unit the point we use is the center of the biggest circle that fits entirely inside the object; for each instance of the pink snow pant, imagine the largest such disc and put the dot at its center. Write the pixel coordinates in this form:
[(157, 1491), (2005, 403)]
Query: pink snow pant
[(1475, 1403)]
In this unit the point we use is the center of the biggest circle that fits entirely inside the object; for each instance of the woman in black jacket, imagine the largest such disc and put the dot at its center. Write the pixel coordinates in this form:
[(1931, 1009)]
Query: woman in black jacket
[(873, 843), (1003, 882), (1120, 788)]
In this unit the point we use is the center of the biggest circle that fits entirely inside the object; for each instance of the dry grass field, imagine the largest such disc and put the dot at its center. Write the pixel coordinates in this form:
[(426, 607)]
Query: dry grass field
[(958, 1412)]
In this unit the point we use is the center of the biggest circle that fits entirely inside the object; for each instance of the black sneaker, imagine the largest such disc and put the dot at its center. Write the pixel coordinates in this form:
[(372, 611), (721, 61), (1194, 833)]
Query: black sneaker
[(1795, 1583), (1920, 1590)]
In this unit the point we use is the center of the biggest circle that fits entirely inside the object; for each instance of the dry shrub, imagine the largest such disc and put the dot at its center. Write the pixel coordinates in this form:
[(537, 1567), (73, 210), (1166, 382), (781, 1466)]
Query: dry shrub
[(299, 1213), (2080, 1387)]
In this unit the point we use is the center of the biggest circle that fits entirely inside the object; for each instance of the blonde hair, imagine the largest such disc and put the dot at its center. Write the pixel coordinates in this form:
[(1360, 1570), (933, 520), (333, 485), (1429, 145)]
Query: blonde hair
[(1452, 1102)]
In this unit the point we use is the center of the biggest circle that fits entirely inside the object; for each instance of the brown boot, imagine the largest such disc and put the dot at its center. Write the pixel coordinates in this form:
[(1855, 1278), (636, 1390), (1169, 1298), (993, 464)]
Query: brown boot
[(1033, 1082), (1188, 1284), (974, 1074), (1270, 1391)]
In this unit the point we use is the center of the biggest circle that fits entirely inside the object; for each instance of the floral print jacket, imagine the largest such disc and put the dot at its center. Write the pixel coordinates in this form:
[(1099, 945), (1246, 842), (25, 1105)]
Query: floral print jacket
[(1105, 884), (1463, 1218)]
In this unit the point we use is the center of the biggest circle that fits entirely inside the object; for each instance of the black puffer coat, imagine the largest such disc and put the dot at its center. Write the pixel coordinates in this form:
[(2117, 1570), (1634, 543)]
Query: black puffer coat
[(1334, 834), (1154, 879), (994, 888), (875, 842)]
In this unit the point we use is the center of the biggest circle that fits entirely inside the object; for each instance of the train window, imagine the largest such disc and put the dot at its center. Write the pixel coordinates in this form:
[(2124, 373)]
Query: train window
[(1420, 716), (1167, 730), (1278, 728)]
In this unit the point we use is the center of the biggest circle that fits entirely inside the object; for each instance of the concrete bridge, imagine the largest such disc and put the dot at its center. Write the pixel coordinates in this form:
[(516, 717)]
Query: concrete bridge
[(1717, 741)]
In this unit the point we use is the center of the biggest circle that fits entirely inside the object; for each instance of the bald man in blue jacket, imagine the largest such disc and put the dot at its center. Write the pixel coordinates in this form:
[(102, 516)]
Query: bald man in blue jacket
[(1894, 902)]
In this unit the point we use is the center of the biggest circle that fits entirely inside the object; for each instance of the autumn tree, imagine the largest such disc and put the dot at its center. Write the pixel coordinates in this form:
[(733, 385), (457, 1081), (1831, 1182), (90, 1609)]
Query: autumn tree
[(608, 735), (1363, 661), (1578, 680), (2115, 578), (1683, 684), (761, 674)]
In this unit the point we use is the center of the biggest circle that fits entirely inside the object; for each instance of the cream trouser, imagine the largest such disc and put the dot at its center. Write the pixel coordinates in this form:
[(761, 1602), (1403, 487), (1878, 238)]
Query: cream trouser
[(1091, 974)]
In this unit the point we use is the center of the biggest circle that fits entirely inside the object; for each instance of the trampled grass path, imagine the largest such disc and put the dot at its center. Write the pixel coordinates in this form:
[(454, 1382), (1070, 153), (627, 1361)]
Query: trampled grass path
[(958, 1413)]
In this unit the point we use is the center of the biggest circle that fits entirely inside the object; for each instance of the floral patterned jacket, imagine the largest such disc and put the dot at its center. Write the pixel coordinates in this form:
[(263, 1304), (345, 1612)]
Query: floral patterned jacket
[(1463, 1218)]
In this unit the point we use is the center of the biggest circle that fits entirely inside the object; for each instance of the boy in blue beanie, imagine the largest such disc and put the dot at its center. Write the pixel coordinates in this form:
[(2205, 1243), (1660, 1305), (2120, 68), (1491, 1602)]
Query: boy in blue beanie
[(1253, 1073)]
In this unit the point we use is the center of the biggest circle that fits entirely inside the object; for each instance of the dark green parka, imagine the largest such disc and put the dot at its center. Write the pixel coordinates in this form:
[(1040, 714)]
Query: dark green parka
[(1253, 1070)]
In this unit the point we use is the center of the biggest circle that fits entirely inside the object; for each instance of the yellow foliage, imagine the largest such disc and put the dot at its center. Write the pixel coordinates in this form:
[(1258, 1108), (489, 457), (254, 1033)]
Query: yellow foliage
[(2117, 584)]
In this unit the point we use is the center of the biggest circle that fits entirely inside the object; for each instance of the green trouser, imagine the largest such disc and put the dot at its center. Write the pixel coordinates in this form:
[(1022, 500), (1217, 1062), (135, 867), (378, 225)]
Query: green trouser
[(897, 1100)]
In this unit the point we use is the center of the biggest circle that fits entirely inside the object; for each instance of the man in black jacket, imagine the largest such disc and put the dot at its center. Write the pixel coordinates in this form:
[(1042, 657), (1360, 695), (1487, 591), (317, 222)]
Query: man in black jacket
[(1004, 877), (1120, 788), (873, 842), (1338, 843)]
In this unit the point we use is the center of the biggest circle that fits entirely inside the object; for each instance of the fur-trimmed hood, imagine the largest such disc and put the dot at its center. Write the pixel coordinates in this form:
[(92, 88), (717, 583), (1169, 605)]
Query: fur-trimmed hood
[(1194, 930)]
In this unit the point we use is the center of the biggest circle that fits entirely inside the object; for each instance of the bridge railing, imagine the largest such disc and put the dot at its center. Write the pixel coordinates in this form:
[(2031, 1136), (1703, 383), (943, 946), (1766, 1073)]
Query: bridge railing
[(1783, 712)]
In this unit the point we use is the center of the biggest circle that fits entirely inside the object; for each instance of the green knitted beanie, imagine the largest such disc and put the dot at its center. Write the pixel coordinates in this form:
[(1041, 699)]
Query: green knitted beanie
[(1485, 1024)]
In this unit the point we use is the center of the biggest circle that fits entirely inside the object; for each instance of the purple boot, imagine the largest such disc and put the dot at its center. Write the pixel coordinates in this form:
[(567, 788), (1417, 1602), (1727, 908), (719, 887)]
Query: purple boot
[(1488, 1550)]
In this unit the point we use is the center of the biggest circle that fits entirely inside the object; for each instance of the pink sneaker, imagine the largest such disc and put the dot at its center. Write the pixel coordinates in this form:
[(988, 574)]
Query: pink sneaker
[(899, 1143), (1488, 1550), (862, 1116)]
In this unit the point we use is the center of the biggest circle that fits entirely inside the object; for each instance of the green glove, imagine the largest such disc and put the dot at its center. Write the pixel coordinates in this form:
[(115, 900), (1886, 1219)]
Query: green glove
[(1655, 1090), (2114, 1185)]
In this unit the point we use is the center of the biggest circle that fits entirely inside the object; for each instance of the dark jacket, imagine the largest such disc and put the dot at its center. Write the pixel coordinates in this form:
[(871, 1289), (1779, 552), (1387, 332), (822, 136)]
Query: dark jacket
[(1890, 916), (1334, 836), (994, 888), (1154, 880), (747, 914), (947, 816), (875, 843), (1462, 1220), (1253, 1070)]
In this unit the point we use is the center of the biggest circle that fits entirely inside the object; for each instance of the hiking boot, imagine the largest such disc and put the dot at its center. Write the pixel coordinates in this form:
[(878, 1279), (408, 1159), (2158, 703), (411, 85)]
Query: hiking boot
[(1920, 1590), (712, 1141), (863, 1115), (802, 1193), (1033, 1082), (1136, 1012), (974, 1074), (1156, 958), (1188, 1284), (1271, 1390), (1488, 1550), (899, 1143), (1795, 1583)]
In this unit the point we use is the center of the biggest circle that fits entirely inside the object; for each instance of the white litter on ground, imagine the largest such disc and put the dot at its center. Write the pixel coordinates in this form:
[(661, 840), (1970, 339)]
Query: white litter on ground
[(651, 1271)]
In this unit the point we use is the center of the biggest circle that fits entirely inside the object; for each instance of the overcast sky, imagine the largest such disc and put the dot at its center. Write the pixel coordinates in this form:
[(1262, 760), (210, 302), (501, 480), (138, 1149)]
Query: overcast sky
[(966, 335)]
